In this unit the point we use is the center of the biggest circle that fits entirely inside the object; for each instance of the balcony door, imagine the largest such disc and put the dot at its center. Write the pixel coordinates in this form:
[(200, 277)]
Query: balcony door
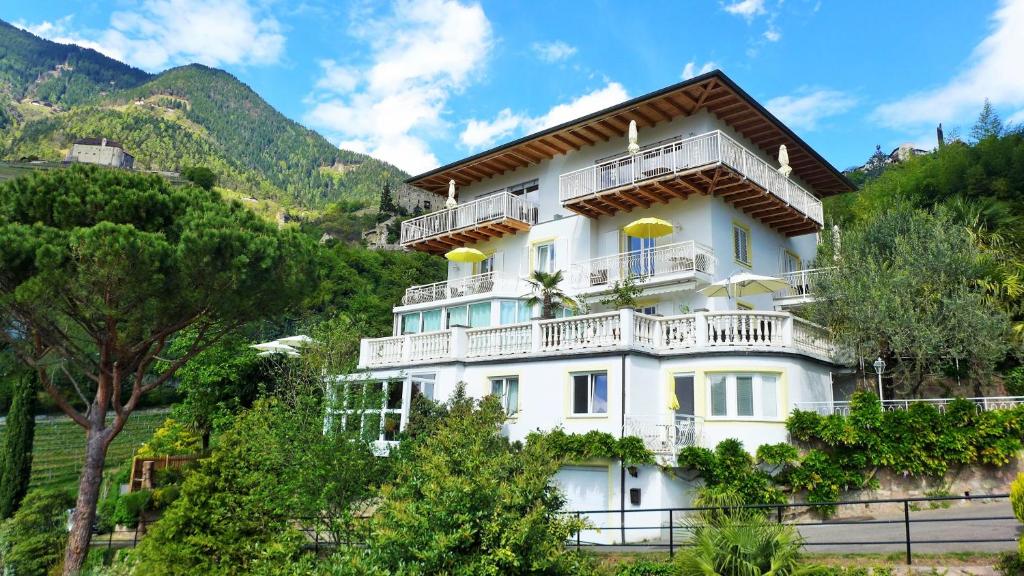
[(640, 259), (684, 394)]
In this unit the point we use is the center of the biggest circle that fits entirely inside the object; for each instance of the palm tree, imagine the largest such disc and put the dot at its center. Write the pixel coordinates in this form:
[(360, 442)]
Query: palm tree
[(730, 541), (547, 293)]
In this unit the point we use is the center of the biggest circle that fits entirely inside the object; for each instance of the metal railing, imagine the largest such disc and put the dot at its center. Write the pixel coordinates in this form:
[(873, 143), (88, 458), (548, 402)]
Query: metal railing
[(473, 213), (683, 155), (645, 265), (802, 283), (747, 330), (665, 433), (669, 528), (984, 403), (467, 286)]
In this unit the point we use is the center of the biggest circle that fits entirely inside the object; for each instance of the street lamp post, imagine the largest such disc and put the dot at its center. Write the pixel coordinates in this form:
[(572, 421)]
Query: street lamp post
[(879, 368)]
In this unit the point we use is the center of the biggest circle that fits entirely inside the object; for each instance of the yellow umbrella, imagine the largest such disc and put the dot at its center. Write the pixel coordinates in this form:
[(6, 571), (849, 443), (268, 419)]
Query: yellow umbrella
[(673, 402), (466, 255), (648, 228)]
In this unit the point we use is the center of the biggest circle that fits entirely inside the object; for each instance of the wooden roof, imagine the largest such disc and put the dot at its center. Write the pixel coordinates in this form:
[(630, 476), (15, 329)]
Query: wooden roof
[(713, 91)]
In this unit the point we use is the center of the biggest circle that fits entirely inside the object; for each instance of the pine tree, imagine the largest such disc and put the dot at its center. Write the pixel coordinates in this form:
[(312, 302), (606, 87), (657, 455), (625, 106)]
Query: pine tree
[(387, 202), (988, 123), (16, 447)]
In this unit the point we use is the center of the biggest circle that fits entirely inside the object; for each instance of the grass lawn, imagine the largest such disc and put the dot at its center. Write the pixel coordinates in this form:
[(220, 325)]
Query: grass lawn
[(59, 447), (608, 562)]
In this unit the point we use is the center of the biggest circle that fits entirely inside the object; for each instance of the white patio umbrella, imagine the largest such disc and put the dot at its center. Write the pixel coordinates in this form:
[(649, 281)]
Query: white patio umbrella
[(634, 146), (784, 168), (275, 347), (299, 340), (744, 284)]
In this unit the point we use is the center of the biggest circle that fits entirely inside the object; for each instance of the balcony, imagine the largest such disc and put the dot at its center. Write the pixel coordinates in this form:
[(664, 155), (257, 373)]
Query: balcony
[(479, 220), (672, 262), (619, 331), (801, 289), (710, 164), (666, 433), (469, 286)]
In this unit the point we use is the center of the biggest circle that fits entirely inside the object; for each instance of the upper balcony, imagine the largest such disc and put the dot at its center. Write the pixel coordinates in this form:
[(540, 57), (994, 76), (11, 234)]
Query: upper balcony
[(612, 332), (711, 163), (677, 262), (476, 284), (491, 216), (802, 287)]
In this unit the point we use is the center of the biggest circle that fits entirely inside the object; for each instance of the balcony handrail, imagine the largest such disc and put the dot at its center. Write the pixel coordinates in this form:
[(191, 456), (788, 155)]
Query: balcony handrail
[(981, 403), (685, 154), (482, 283), (474, 212), (747, 330), (802, 282), (660, 261), (665, 433)]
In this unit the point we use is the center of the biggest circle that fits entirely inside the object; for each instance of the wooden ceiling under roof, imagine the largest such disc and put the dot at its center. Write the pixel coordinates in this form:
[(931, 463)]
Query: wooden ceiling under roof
[(713, 91)]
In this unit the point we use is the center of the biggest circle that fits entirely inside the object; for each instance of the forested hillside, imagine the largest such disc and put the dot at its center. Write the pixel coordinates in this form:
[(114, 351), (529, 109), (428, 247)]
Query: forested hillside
[(52, 94)]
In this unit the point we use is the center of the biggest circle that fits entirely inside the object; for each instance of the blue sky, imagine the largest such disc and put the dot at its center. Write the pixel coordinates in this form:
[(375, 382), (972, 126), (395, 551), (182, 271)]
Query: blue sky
[(424, 82)]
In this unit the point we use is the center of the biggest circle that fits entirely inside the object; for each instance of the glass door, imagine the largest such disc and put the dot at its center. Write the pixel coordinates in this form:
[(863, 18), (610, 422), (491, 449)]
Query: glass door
[(640, 253)]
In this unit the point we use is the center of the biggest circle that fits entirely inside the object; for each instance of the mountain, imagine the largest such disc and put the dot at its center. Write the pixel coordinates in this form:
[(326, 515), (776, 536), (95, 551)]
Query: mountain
[(52, 94)]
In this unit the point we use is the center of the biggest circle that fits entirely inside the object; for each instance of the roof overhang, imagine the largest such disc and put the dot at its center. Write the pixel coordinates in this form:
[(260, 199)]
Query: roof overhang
[(714, 92)]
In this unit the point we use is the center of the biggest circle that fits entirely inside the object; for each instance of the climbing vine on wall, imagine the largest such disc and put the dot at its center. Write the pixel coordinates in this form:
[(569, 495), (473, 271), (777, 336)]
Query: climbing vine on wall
[(594, 444)]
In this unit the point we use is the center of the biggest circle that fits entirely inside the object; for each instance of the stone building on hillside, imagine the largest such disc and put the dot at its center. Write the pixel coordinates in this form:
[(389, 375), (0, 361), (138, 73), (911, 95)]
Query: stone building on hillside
[(100, 151)]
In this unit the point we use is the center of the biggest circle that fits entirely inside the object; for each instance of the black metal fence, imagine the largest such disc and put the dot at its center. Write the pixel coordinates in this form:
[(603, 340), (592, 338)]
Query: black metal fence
[(946, 523)]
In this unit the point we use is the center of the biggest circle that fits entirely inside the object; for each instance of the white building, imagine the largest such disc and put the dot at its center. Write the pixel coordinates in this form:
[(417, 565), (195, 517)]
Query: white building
[(681, 369), (100, 151)]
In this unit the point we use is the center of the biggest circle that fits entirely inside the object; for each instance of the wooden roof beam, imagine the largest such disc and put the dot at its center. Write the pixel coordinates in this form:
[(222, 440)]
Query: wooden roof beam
[(617, 201), (577, 133), (565, 140), (593, 129), (620, 127), (640, 117), (658, 111), (551, 144), (544, 148)]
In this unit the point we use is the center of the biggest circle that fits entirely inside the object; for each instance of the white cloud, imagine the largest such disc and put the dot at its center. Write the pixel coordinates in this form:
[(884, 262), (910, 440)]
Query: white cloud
[(159, 33), (691, 70), (420, 54), (746, 8), (483, 133), (804, 110), (992, 71), (553, 51), (772, 35)]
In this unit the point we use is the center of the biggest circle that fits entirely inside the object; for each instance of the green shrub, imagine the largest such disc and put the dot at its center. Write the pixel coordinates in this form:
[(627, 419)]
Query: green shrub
[(646, 568), (595, 444), (1014, 381), (1010, 564), (130, 507), (729, 469), (1017, 497), (781, 454), (32, 541)]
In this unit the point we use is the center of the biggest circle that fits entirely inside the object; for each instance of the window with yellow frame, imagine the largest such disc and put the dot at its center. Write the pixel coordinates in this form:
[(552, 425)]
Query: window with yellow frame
[(742, 248)]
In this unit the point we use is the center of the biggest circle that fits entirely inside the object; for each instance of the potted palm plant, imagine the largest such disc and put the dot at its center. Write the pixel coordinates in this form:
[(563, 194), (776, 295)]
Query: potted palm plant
[(547, 292)]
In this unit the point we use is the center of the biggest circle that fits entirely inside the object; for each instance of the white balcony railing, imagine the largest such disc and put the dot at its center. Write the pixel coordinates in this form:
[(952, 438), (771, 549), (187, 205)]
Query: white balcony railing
[(622, 330), (802, 283), (982, 404), (468, 286), (666, 433), (650, 264), (683, 155), (491, 208)]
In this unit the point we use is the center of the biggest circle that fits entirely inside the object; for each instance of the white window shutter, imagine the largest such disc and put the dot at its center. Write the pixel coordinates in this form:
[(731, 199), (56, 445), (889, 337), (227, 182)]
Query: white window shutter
[(562, 259)]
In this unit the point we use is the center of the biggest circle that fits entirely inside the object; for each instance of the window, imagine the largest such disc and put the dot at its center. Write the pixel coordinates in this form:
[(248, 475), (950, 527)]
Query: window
[(507, 389), (513, 312), (641, 255), (524, 187), (790, 261), (564, 312), (590, 393), (544, 257), (744, 395), (649, 310), (474, 315), (741, 243), (431, 320), (411, 323), (373, 409), (423, 386), (486, 265), (426, 204)]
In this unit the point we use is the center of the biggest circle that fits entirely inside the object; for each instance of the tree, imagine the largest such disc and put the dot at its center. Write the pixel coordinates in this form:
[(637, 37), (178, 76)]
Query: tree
[(466, 501), (16, 446), (907, 288), (31, 540), (988, 124), (387, 202), (200, 176), (624, 294), (100, 270), (548, 293)]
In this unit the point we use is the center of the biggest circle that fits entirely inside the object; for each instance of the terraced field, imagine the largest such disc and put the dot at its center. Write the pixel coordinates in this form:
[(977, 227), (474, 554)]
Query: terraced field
[(59, 447)]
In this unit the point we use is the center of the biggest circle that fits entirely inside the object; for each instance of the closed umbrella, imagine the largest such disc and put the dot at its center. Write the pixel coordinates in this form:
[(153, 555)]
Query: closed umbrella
[(784, 168), (634, 146), (466, 255)]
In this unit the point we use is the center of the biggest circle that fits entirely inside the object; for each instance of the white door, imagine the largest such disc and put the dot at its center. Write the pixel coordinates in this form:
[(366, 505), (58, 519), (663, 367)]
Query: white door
[(584, 487)]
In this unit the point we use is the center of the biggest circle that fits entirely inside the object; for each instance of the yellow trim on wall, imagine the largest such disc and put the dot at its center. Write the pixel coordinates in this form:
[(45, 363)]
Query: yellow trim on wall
[(750, 244), (533, 249), (567, 413)]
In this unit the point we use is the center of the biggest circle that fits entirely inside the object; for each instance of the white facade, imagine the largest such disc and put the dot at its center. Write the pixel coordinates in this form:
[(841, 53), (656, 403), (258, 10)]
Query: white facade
[(102, 152), (682, 369)]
